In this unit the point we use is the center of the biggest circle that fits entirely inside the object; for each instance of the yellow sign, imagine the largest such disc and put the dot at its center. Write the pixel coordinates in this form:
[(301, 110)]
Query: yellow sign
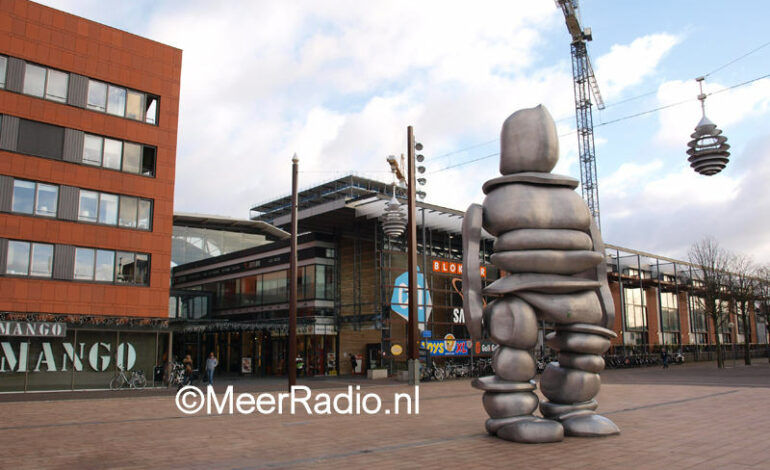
[(396, 349), (449, 342)]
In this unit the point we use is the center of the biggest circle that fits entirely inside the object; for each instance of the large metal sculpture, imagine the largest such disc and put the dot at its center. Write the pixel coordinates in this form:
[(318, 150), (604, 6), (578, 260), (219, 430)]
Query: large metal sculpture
[(549, 245)]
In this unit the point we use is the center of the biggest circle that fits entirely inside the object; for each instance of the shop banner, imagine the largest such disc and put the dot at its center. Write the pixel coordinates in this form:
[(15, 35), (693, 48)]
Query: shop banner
[(33, 329)]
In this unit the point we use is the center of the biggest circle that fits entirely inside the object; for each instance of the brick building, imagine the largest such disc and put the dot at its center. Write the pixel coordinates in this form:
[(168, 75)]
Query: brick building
[(88, 131)]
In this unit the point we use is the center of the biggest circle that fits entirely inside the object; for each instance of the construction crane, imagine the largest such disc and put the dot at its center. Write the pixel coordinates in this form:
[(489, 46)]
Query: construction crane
[(585, 85)]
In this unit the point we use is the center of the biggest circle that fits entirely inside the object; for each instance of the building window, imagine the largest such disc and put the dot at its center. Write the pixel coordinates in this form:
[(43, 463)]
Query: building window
[(128, 206), (113, 151), (97, 96), (34, 80), (108, 209), (88, 208), (92, 150), (56, 86), (118, 155), (45, 83), (669, 311), (132, 268), (29, 259), (34, 198), (635, 309), (94, 265), (3, 68), (84, 264), (111, 209), (697, 314), (23, 197), (105, 266), (119, 101), (116, 101)]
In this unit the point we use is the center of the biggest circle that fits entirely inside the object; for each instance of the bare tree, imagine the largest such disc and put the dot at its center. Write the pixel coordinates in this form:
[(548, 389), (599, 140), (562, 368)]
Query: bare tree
[(742, 287), (763, 296), (713, 262)]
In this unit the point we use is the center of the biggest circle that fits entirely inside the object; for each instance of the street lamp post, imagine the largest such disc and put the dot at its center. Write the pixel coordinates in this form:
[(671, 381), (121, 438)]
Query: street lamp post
[(291, 364)]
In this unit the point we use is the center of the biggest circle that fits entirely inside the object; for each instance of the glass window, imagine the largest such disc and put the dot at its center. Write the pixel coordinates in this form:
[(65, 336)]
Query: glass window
[(635, 309), (18, 258), (132, 156), (42, 260), (145, 214), (127, 211), (34, 80), (23, 196), (116, 101), (56, 87), (124, 267), (3, 67), (105, 265), (113, 149), (97, 96), (134, 105), (47, 198), (148, 161), (142, 269), (108, 209), (89, 206), (84, 264), (92, 150), (151, 110)]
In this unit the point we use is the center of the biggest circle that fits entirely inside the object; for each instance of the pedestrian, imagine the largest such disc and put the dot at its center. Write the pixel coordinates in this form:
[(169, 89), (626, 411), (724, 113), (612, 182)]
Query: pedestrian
[(353, 363), (188, 369), (300, 365), (664, 356), (211, 364)]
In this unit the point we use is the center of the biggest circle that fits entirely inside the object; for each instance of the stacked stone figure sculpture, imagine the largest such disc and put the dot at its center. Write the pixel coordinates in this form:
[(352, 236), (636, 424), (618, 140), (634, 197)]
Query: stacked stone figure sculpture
[(553, 254)]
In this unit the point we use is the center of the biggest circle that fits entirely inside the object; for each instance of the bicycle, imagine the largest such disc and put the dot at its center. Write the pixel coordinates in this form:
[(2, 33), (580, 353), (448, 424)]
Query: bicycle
[(432, 372), (135, 380)]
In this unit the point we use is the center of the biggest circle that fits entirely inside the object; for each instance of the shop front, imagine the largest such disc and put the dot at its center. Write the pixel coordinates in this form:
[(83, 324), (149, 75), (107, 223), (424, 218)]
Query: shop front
[(56, 355), (260, 348)]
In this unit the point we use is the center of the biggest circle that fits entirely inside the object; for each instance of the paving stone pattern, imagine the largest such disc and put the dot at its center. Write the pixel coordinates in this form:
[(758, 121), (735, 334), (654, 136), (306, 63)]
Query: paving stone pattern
[(687, 417)]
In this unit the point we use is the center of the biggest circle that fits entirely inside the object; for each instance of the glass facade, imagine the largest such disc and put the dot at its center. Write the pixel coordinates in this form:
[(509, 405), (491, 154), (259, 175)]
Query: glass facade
[(195, 244), (636, 311)]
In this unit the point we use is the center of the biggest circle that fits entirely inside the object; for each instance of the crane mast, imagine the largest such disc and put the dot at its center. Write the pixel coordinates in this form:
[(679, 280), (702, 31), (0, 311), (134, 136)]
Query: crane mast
[(585, 85)]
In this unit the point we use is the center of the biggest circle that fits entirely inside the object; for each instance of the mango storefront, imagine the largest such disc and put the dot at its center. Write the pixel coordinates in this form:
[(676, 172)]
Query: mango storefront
[(83, 353)]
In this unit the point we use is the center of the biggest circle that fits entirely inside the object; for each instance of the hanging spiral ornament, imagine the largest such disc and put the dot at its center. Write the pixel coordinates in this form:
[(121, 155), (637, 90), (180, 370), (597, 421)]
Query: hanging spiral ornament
[(708, 147), (394, 219)]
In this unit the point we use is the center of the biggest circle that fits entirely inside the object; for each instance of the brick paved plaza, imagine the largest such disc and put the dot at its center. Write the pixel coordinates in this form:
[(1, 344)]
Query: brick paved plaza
[(691, 416)]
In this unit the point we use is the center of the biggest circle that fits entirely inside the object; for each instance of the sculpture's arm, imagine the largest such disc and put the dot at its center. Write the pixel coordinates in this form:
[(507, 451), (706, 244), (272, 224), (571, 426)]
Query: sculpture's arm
[(472, 299)]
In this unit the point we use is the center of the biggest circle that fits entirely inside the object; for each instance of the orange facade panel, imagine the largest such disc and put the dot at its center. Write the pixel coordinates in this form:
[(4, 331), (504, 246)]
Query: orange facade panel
[(57, 40)]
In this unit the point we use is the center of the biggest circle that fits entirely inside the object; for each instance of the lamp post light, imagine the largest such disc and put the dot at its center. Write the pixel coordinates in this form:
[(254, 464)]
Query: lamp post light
[(731, 325), (413, 361)]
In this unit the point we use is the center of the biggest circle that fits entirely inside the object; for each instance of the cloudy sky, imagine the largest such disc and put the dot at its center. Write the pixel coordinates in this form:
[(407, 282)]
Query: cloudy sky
[(339, 81)]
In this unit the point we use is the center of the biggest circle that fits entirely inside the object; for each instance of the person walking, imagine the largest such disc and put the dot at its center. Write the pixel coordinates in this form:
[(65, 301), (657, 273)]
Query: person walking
[(353, 363), (211, 364), (664, 356), (187, 362)]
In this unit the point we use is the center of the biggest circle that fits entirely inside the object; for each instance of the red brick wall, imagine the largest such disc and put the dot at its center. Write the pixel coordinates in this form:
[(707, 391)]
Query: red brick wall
[(684, 317), (653, 316), (59, 40)]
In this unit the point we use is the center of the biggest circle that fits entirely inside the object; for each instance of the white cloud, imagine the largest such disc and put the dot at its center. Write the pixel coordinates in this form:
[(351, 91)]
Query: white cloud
[(628, 65)]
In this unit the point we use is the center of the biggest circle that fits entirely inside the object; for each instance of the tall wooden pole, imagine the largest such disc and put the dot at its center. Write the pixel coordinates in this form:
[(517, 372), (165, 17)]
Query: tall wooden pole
[(414, 352), (291, 364)]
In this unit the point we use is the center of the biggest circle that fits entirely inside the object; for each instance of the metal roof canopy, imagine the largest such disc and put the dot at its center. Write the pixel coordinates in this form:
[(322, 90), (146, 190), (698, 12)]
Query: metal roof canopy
[(217, 222), (436, 217)]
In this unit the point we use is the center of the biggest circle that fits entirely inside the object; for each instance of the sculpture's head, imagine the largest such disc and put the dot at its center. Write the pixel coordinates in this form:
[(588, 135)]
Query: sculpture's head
[(528, 142)]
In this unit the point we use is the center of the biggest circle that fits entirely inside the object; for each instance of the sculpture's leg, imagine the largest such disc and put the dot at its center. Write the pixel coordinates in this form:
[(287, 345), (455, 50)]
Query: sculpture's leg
[(508, 395), (572, 383)]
